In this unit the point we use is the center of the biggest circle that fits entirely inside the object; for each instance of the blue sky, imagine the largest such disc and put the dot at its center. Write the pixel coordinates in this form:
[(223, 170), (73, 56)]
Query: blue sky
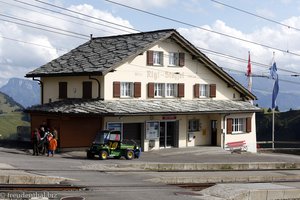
[(23, 48)]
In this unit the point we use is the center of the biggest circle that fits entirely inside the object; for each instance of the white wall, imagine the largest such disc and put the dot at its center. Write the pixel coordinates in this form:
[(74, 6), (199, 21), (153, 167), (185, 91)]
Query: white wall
[(250, 138), (74, 87), (193, 72)]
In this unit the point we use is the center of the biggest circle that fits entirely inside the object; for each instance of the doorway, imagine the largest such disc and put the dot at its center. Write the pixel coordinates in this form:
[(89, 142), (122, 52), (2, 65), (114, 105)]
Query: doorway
[(168, 134), (214, 131)]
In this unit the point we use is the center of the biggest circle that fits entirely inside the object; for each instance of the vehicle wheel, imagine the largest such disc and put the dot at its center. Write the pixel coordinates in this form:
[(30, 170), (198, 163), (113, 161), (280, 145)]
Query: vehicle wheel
[(89, 155), (103, 155), (129, 154)]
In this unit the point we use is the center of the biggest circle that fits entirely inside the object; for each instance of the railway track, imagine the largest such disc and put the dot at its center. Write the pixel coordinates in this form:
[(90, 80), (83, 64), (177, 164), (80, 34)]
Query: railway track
[(39, 187)]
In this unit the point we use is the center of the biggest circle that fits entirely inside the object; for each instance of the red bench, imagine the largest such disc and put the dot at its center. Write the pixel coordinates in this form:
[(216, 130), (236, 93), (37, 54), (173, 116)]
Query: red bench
[(237, 146)]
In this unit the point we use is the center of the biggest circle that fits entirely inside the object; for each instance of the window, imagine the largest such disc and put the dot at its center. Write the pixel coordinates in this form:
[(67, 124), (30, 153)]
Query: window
[(238, 125), (126, 89), (203, 90), (165, 90), (194, 125), (63, 90), (176, 59), (171, 90), (157, 58), (159, 90), (87, 90)]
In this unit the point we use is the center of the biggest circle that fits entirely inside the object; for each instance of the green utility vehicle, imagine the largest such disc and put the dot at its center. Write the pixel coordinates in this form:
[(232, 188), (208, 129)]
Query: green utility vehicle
[(108, 144)]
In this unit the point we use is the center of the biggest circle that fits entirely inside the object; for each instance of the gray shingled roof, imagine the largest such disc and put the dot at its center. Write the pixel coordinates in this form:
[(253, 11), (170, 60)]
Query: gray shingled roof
[(143, 107), (101, 54)]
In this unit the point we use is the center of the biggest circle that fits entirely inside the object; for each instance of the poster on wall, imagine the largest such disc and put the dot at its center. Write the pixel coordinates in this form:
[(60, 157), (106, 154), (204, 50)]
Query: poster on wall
[(115, 126), (152, 130)]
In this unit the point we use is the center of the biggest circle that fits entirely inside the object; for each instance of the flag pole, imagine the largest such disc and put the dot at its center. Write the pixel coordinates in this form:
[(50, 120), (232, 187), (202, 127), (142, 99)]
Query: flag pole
[(249, 75), (274, 76), (273, 128)]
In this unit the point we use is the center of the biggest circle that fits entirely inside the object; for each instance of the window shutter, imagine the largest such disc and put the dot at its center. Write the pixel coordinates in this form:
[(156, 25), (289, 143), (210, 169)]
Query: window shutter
[(181, 59), (151, 90), (62, 90), (196, 90), (229, 125), (137, 89), (248, 124), (87, 90), (149, 57), (180, 89), (116, 89), (212, 92)]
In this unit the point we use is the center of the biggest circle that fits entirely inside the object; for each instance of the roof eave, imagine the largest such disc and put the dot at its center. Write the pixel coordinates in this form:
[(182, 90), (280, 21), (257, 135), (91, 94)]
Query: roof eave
[(64, 74)]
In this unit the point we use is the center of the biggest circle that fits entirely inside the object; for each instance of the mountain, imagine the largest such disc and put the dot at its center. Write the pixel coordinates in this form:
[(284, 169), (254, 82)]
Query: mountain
[(25, 92), (262, 87)]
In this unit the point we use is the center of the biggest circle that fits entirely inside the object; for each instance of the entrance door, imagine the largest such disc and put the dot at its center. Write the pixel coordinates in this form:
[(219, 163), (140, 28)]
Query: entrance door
[(214, 130), (168, 133)]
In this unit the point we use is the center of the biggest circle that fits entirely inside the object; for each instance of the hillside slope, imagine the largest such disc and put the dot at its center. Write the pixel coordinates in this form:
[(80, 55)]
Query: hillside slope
[(11, 116), (8, 105), (287, 126)]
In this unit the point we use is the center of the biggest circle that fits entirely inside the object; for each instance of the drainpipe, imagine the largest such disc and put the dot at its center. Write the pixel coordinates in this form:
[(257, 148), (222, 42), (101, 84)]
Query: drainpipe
[(98, 85), (224, 133), (42, 89)]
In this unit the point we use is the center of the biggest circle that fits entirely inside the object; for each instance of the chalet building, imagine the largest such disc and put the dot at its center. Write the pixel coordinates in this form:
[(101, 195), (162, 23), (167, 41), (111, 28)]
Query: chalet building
[(156, 87)]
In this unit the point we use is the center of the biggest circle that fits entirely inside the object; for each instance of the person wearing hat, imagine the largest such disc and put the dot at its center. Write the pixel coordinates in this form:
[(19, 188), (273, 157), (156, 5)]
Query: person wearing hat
[(52, 145)]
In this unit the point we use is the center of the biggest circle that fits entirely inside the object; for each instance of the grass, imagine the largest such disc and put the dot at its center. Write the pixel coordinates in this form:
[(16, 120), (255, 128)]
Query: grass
[(9, 123)]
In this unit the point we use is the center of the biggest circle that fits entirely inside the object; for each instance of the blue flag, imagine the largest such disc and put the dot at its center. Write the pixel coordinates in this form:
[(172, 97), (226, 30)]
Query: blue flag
[(274, 75)]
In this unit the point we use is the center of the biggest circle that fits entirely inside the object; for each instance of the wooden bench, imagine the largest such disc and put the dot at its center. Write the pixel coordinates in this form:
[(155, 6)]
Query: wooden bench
[(237, 146)]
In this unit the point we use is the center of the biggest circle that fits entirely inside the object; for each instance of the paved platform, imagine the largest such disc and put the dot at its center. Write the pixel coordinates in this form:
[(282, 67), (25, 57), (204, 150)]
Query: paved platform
[(258, 191), (186, 165)]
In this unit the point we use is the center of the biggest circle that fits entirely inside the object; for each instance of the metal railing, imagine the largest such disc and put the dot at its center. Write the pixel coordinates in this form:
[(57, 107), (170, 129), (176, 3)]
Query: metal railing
[(278, 144)]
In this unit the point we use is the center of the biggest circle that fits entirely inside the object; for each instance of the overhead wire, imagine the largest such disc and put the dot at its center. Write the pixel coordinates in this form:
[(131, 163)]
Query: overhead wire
[(209, 51), (255, 15), (89, 16), (205, 29), (56, 17), (39, 28), (43, 25), (138, 30), (31, 43), (72, 16), (243, 60)]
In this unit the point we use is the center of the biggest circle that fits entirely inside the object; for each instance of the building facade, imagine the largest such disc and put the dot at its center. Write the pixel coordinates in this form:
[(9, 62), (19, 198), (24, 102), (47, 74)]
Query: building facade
[(156, 87)]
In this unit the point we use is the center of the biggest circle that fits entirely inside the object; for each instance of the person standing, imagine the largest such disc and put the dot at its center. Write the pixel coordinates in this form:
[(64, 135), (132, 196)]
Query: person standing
[(35, 138), (52, 145)]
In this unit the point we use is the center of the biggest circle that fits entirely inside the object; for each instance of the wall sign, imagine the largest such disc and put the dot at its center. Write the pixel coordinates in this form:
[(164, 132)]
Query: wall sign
[(172, 117)]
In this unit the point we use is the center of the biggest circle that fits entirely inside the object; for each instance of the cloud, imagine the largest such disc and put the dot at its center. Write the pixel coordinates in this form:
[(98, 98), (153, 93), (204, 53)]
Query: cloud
[(39, 47), (142, 4), (277, 36)]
